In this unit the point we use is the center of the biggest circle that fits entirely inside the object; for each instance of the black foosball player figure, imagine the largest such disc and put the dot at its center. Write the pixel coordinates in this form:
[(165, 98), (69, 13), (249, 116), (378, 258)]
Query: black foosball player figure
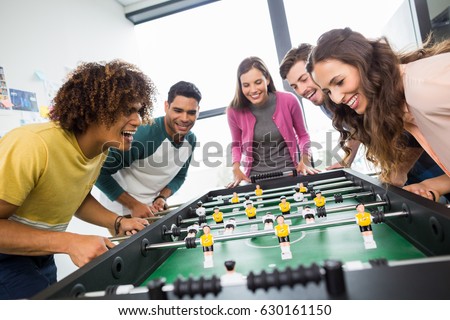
[(364, 221), (338, 198), (282, 232), (230, 225), (285, 206), (200, 210), (320, 204), (268, 219), (308, 214), (231, 277), (250, 211), (207, 242), (217, 215), (192, 230), (298, 196), (234, 198)]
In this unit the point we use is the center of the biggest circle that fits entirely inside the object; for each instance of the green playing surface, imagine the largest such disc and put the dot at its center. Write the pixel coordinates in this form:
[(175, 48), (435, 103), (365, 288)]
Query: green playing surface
[(341, 242)]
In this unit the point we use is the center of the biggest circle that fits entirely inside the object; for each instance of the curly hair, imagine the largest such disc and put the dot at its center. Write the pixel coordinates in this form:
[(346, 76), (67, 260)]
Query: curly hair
[(380, 128), (99, 93)]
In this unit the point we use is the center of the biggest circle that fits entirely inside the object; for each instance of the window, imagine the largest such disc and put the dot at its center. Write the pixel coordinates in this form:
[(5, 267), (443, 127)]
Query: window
[(205, 45)]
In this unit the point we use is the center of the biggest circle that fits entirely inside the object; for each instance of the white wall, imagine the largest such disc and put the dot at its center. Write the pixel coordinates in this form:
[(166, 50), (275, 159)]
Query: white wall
[(52, 36)]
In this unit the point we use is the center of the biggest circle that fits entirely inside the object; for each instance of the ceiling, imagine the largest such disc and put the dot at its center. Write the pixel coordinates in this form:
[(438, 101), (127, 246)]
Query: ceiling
[(139, 11)]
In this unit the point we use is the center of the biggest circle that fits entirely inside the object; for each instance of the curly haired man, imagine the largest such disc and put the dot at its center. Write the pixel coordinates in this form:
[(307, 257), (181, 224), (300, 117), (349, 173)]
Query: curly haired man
[(48, 170)]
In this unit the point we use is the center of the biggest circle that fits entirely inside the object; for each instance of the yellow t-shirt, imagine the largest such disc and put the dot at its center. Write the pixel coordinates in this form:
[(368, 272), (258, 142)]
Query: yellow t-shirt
[(363, 219), (218, 216), (319, 202), (44, 172), (282, 230), (258, 192), (207, 240), (235, 200), (250, 212), (285, 207)]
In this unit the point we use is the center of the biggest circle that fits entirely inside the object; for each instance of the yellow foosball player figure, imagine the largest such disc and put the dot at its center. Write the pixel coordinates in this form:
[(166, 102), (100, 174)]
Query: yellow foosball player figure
[(258, 191), (207, 242), (217, 215), (250, 211), (234, 198), (285, 206), (302, 188), (282, 232), (364, 221), (320, 204)]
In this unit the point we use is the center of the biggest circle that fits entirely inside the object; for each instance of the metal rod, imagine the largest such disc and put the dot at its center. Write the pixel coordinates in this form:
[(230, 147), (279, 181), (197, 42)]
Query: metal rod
[(322, 183), (289, 216), (279, 194), (256, 234), (122, 238), (293, 205), (332, 191)]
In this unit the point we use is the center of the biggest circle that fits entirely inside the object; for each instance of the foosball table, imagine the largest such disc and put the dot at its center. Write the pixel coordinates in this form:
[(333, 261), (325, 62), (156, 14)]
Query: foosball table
[(326, 254)]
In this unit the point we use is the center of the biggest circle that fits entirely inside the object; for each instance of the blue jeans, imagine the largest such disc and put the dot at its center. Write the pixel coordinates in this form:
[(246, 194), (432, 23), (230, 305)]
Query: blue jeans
[(21, 277)]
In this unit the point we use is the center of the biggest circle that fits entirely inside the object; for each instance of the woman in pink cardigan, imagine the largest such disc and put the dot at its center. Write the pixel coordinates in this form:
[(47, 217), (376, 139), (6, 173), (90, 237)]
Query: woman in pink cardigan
[(267, 126)]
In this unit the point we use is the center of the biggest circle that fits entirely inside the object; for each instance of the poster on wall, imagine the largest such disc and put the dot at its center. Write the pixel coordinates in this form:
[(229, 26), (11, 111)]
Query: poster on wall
[(5, 103), (23, 100)]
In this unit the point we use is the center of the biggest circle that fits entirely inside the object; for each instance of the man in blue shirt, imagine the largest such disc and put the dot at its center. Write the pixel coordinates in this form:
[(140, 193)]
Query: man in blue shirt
[(139, 181)]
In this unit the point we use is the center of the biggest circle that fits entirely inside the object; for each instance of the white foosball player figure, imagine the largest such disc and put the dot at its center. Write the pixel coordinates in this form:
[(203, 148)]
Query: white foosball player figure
[(200, 211), (308, 214), (298, 196), (246, 201), (268, 219), (231, 277), (229, 225), (192, 230)]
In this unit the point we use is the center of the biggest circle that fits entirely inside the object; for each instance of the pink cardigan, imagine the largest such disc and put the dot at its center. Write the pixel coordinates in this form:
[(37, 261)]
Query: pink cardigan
[(288, 117)]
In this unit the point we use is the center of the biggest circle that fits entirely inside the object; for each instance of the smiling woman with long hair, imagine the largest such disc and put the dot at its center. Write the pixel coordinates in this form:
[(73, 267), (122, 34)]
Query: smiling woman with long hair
[(377, 93)]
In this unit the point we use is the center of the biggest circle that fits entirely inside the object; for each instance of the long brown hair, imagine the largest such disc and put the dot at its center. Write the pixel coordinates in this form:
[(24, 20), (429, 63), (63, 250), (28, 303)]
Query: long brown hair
[(240, 101), (380, 128)]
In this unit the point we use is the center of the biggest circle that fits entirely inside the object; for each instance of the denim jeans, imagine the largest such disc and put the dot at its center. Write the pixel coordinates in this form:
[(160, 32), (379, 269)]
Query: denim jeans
[(21, 277)]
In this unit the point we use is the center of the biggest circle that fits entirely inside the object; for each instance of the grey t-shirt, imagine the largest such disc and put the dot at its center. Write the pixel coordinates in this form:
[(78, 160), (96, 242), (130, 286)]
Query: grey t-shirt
[(270, 152)]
